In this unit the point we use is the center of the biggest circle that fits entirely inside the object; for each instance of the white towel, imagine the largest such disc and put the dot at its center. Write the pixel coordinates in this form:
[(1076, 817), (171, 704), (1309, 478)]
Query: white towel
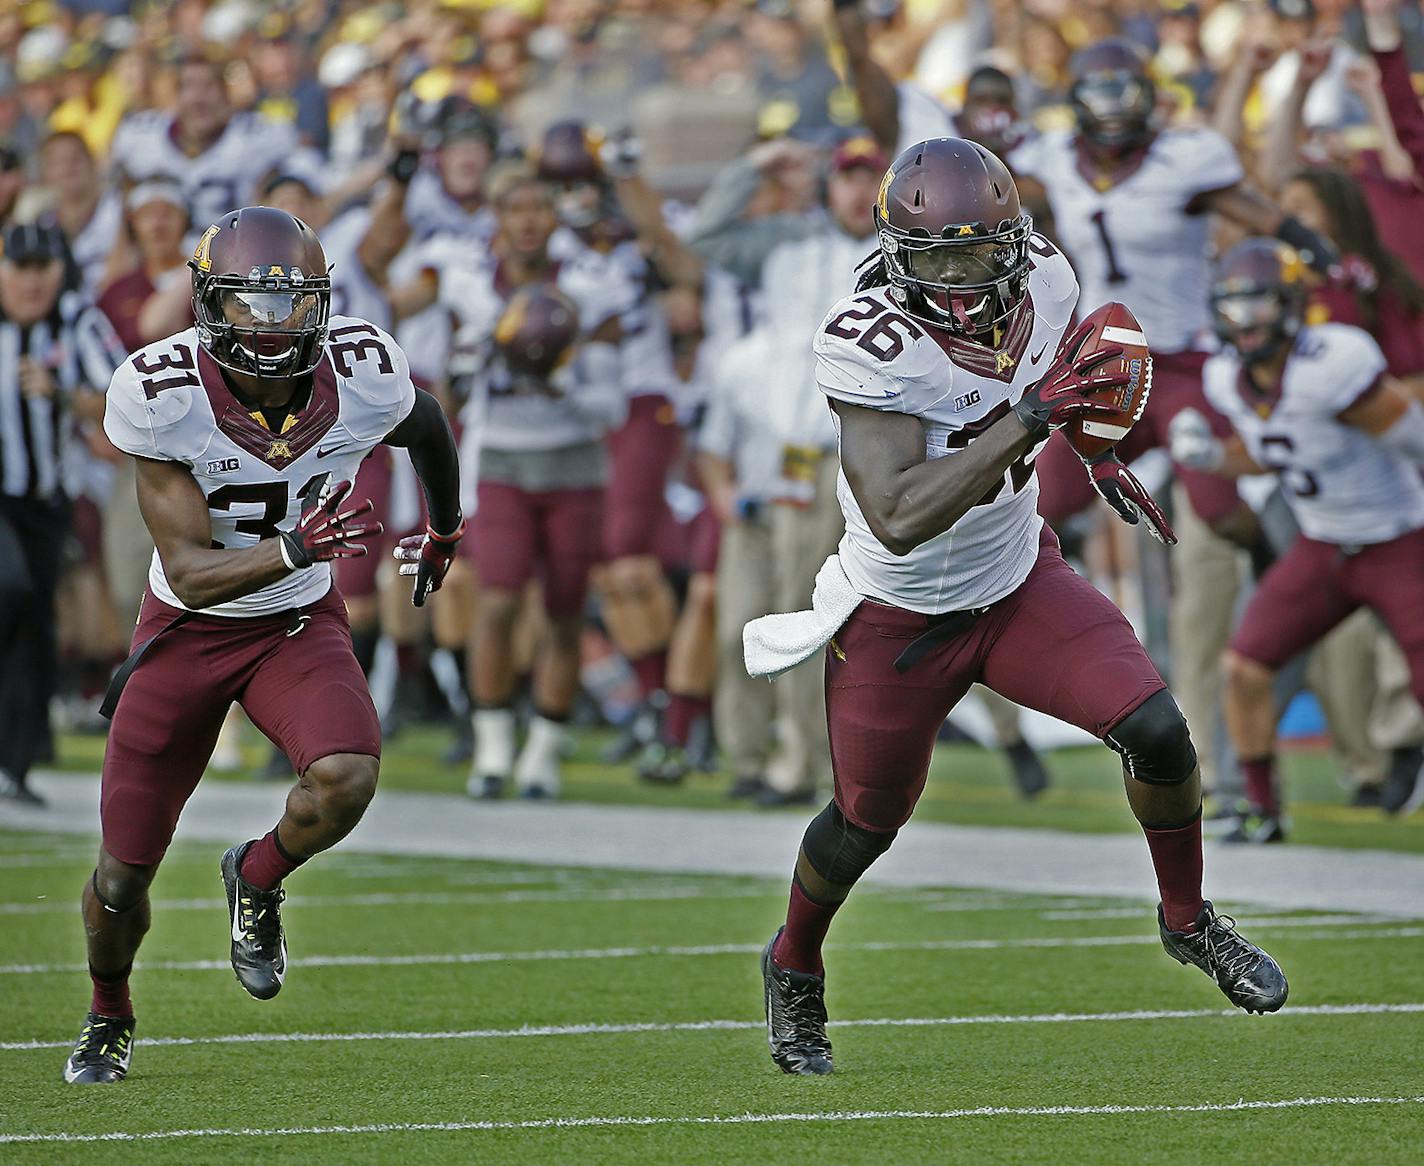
[(775, 644)]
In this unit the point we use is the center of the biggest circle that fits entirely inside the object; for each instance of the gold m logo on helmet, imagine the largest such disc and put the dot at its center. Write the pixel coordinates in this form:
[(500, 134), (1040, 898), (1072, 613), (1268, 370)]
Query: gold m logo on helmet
[(882, 203), (965, 230), (203, 253), (1292, 266)]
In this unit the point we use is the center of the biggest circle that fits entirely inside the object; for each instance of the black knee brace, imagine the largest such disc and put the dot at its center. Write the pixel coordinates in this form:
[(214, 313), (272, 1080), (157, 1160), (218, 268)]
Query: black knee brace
[(1154, 742), (840, 851), (111, 908)]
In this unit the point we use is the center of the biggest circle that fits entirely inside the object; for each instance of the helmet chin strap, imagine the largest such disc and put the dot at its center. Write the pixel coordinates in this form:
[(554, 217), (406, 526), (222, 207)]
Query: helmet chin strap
[(957, 307)]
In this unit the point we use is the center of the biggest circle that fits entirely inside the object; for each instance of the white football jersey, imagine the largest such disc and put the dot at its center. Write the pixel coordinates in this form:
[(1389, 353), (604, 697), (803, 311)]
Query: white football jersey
[(223, 177), (869, 354), (1343, 485), (169, 402), (496, 416), (353, 291), (1135, 242)]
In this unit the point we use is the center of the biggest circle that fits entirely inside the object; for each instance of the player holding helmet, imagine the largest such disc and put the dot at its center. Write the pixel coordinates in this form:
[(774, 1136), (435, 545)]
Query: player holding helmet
[(946, 372), (238, 428)]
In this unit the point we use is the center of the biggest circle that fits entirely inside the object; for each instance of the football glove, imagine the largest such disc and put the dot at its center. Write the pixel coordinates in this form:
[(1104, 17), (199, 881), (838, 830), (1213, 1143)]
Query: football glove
[(1067, 389), (428, 557), (1119, 488), (325, 531), (1192, 443)]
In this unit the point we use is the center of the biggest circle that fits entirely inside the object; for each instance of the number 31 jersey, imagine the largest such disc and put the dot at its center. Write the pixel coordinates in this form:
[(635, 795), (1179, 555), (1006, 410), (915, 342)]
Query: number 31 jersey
[(1343, 485), (871, 355), (169, 402)]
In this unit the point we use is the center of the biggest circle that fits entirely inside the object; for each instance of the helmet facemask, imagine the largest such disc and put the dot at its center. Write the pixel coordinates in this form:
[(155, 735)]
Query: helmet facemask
[(1255, 319), (966, 280), (271, 326), (1114, 108)]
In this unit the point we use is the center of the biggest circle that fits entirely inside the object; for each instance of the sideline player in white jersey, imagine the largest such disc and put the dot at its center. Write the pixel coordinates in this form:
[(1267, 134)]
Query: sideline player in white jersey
[(1132, 205), (1316, 406), (946, 372), (604, 205), (237, 427), (217, 155), (532, 458)]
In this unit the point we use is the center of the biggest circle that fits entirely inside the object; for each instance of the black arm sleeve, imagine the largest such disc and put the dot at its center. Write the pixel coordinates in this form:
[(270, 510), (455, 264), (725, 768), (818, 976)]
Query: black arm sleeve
[(426, 434)]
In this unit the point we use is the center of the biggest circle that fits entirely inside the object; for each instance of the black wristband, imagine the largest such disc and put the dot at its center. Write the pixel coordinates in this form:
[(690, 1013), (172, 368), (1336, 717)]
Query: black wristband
[(404, 165), (294, 551), (842, 5), (1317, 251)]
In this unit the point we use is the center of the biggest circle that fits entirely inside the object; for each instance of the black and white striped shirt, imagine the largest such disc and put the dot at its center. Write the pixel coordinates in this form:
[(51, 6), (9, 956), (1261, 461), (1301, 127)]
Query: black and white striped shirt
[(78, 345)]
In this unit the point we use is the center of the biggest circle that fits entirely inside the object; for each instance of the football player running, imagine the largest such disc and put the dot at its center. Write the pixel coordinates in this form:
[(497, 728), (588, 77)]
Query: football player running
[(1316, 406), (246, 430), (946, 372)]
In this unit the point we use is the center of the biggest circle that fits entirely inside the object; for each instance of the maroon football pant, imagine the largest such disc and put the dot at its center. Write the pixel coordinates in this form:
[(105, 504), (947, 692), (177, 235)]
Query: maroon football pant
[(517, 535), (1056, 644), (304, 690), (641, 454), (1064, 486), (1315, 585)]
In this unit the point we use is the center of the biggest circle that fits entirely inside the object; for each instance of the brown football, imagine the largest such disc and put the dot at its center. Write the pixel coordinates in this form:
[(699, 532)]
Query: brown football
[(1114, 326)]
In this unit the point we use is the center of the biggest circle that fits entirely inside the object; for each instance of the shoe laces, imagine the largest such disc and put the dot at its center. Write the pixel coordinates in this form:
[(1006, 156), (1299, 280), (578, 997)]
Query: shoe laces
[(1227, 949), (804, 1008), (258, 914), (102, 1040)]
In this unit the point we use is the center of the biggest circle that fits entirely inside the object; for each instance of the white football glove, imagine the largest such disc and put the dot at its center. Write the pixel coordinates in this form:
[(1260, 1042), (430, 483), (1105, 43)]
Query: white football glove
[(1192, 442)]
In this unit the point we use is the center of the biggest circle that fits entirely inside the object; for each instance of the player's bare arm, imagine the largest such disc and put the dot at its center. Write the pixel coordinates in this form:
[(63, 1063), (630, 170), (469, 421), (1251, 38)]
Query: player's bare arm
[(177, 516), (906, 499), (875, 91), (1260, 216)]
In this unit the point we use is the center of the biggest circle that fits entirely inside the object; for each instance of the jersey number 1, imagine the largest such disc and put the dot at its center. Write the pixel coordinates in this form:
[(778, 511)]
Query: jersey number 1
[(1115, 274)]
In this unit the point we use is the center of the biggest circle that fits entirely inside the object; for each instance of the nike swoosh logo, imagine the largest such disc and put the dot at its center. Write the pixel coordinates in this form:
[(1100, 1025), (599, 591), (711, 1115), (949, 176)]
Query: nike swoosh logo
[(321, 453), (1034, 359), (238, 934)]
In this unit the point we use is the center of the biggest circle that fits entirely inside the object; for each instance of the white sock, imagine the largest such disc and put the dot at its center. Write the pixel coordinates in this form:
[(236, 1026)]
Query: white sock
[(539, 761), (494, 742)]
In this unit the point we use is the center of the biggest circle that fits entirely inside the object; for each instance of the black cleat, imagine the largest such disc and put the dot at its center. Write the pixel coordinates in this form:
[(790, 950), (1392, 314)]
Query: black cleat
[(1030, 776), (664, 764), (795, 1017), (1253, 828), (489, 788), (1402, 789), (259, 946), (1247, 976), (102, 1052)]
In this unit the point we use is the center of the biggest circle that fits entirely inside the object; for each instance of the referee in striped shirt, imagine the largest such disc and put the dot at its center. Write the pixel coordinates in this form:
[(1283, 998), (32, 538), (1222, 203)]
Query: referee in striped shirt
[(54, 354)]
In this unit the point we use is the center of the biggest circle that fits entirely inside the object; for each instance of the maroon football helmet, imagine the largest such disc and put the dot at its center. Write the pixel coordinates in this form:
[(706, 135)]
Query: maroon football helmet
[(1258, 298), (261, 293), (953, 236), (536, 332), (1112, 94), (568, 161)]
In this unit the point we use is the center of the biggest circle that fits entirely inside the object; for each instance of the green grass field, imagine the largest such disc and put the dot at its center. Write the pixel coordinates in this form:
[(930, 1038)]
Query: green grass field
[(447, 1010)]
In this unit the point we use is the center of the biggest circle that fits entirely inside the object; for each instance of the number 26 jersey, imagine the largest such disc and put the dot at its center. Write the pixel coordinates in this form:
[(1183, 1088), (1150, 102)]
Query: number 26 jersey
[(871, 355), (169, 402)]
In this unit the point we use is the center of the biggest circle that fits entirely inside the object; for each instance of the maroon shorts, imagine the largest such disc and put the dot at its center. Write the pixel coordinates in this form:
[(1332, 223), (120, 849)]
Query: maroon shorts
[(357, 577), (1056, 644), (1315, 585), (517, 533), (1064, 488), (305, 691), (642, 452)]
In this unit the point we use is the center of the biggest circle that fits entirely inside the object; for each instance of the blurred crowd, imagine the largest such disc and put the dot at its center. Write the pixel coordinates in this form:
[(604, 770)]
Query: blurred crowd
[(702, 176)]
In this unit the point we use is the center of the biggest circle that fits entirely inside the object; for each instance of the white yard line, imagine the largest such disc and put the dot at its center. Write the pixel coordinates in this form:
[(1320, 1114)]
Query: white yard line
[(600, 1029), (630, 893), (428, 959), (732, 842), (731, 1119)]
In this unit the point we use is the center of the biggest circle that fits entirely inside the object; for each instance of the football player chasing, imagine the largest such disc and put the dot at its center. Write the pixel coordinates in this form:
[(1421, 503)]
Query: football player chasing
[(947, 371), (1316, 406), (239, 428)]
